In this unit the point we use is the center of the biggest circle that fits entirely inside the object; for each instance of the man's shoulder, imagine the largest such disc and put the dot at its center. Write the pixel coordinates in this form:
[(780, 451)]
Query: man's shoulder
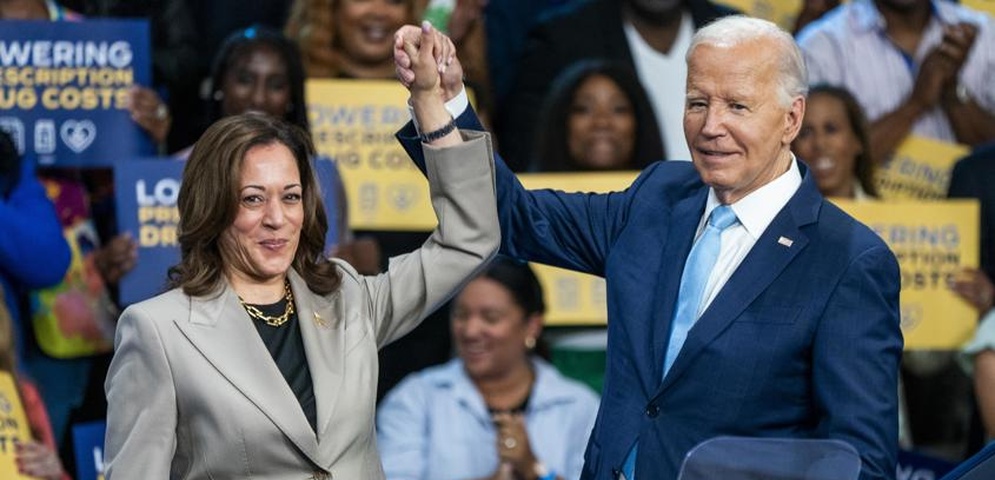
[(841, 229), (957, 12), (671, 172), (841, 22)]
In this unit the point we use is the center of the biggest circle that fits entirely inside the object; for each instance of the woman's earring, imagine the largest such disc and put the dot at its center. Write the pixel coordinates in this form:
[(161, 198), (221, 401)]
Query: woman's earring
[(530, 343), (218, 95)]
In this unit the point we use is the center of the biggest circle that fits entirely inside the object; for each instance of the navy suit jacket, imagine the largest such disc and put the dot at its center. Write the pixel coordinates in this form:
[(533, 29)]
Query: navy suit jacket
[(802, 341)]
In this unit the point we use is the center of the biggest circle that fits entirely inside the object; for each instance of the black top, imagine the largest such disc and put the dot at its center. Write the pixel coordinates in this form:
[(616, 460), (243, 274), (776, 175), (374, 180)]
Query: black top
[(286, 346), (518, 409)]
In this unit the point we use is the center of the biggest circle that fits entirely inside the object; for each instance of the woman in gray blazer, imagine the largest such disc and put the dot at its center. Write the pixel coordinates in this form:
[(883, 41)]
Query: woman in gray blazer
[(262, 361)]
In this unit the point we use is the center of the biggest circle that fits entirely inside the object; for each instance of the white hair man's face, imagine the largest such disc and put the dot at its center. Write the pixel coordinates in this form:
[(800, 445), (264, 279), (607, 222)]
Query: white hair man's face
[(738, 131)]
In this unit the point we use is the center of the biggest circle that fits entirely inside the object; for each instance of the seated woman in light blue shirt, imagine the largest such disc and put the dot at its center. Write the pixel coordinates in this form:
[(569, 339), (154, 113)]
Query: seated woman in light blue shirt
[(497, 411)]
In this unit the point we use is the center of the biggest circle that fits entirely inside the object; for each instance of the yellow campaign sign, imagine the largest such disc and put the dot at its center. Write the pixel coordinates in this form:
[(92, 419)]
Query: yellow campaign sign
[(14, 427), (353, 122), (933, 241), (981, 5), (781, 12), (919, 170)]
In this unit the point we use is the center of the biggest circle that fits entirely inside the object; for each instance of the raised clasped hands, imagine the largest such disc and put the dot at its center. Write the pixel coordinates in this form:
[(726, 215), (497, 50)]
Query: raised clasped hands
[(425, 58)]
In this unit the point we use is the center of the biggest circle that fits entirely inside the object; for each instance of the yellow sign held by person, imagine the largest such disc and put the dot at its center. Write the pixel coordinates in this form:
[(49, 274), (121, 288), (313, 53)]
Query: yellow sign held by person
[(919, 170), (14, 427), (933, 242), (981, 5), (353, 122)]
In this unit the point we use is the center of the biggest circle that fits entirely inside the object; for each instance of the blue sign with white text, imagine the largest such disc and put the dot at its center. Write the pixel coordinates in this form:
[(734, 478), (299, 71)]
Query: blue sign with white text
[(88, 444), (146, 192), (65, 88)]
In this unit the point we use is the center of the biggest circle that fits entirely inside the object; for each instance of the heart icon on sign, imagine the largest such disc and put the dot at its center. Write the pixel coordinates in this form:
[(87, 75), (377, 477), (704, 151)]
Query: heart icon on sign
[(78, 134)]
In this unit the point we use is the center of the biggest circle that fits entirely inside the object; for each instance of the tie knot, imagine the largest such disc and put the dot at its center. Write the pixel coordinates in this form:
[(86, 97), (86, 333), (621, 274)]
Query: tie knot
[(722, 217)]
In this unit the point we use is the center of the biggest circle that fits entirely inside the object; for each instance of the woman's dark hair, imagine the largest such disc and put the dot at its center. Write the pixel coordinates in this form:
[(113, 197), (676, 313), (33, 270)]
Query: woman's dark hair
[(552, 153), (240, 44), (520, 280), (864, 166), (10, 165), (209, 201)]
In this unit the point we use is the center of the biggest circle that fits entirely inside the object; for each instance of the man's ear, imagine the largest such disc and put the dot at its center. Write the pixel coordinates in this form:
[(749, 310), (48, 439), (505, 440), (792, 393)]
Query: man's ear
[(793, 119)]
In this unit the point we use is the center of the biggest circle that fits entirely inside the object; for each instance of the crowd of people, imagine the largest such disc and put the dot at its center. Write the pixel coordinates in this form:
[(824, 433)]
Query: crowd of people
[(755, 126)]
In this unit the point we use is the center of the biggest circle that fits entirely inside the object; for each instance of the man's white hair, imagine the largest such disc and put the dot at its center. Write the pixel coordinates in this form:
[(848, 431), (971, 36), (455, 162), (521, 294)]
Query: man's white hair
[(737, 29)]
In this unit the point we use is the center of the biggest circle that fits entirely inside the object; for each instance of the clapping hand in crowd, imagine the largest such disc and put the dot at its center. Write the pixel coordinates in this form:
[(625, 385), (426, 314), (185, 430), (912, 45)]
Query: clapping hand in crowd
[(514, 449), (938, 72), (976, 288)]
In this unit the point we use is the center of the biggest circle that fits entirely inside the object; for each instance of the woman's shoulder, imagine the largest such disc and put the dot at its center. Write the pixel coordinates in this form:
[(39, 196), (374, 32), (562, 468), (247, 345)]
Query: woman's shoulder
[(165, 301), (429, 384), (558, 385), (438, 376)]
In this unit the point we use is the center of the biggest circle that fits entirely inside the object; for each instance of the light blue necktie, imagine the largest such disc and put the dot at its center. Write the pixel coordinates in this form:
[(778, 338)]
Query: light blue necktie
[(697, 269)]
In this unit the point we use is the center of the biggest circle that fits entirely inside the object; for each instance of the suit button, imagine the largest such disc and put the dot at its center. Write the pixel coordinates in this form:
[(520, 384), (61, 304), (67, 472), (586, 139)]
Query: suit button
[(652, 410)]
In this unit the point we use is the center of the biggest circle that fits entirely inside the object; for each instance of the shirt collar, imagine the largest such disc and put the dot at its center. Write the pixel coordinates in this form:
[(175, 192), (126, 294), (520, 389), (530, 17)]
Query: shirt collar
[(756, 210), (547, 389)]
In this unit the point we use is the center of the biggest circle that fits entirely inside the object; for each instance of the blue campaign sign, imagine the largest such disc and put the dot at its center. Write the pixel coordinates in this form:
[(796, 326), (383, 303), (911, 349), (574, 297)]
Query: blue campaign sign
[(88, 445), (330, 182), (146, 192), (64, 89)]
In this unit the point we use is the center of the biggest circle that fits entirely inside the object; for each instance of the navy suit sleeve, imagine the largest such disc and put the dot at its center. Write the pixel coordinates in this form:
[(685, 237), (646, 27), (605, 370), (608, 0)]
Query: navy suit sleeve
[(567, 230), (856, 354)]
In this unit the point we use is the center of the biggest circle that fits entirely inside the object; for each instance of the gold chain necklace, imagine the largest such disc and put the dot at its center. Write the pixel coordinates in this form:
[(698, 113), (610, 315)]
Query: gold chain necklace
[(269, 319)]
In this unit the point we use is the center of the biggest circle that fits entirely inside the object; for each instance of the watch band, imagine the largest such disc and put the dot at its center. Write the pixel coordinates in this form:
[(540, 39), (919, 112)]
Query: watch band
[(543, 473)]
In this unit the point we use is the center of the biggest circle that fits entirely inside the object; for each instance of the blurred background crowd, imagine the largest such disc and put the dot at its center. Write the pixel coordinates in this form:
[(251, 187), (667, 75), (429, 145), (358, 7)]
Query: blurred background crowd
[(566, 86)]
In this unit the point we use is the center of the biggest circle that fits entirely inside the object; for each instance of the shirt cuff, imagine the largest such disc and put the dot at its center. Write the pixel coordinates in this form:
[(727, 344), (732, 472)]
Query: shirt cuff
[(455, 106)]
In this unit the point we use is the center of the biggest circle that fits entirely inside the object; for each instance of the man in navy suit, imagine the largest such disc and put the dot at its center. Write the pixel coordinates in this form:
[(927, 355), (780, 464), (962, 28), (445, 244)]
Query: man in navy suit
[(798, 332)]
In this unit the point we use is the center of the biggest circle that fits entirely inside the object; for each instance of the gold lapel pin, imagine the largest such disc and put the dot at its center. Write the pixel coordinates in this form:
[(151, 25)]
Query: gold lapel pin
[(319, 321)]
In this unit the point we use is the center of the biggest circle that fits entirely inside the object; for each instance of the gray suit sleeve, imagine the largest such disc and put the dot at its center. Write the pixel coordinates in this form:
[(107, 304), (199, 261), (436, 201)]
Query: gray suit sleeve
[(461, 185), (141, 402)]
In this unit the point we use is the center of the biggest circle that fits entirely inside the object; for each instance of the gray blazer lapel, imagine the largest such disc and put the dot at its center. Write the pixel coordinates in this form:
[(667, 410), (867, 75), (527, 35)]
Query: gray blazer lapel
[(222, 332), (321, 328)]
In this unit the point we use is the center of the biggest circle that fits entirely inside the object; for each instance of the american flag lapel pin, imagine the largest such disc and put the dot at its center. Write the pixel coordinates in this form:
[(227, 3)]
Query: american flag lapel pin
[(787, 242)]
